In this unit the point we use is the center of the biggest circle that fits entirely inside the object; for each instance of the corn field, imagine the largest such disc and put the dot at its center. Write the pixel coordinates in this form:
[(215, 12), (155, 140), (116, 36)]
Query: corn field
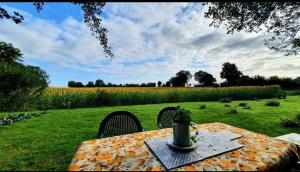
[(55, 97)]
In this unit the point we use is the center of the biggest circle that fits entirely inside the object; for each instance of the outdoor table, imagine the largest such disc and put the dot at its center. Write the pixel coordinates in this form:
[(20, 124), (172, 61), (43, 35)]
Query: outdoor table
[(129, 152)]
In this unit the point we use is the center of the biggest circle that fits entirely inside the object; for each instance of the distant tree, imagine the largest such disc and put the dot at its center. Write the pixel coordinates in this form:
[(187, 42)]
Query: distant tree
[(159, 83), (204, 78), (231, 73), (71, 84), (288, 83), (181, 79), (90, 84), (99, 83), (91, 12), (79, 84), (244, 80), (143, 85), (151, 84), (259, 80), (280, 20), (109, 84), (134, 85), (297, 80), (273, 80), (184, 76), (168, 84), (175, 82)]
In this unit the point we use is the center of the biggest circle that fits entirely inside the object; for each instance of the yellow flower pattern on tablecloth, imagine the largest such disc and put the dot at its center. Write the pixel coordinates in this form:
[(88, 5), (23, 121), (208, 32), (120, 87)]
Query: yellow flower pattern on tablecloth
[(129, 153)]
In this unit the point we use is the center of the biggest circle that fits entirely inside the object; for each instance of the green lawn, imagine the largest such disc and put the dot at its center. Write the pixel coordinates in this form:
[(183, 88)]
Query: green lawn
[(49, 142)]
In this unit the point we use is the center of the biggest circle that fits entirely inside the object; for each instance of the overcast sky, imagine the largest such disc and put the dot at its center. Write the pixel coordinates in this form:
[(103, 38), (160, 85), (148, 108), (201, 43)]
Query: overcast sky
[(150, 42)]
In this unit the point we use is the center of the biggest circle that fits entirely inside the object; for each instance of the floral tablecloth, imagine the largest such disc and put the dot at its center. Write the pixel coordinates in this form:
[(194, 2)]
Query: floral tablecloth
[(128, 152)]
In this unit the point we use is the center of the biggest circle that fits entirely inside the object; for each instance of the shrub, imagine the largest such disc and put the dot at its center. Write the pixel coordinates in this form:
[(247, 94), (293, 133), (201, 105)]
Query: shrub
[(232, 110), (288, 122), (227, 105), (203, 106), (225, 100), (272, 103), (284, 95), (246, 107), (20, 86), (242, 104), (12, 118), (294, 92), (298, 116)]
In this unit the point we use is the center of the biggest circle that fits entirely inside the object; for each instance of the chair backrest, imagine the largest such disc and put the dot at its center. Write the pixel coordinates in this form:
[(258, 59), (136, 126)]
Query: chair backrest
[(119, 123), (165, 117)]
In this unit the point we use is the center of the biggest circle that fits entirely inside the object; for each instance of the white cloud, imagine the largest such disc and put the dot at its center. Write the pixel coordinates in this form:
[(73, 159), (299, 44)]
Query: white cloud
[(150, 41)]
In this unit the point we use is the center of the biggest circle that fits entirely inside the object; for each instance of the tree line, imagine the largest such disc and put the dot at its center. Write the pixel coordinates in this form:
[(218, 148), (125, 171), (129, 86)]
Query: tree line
[(230, 72), (234, 77), (101, 83)]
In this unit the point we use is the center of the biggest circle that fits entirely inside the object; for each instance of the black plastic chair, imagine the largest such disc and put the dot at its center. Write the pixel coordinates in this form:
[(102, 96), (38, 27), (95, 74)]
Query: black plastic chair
[(119, 123), (165, 117)]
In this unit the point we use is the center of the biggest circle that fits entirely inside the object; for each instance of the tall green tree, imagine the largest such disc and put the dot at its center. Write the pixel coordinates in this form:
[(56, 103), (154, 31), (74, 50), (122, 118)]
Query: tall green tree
[(71, 84), (90, 84), (168, 84), (181, 79), (9, 53), (20, 85), (99, 83), (280, 20), (230, 72), (79, 84), (159, 83), (204, 78)]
